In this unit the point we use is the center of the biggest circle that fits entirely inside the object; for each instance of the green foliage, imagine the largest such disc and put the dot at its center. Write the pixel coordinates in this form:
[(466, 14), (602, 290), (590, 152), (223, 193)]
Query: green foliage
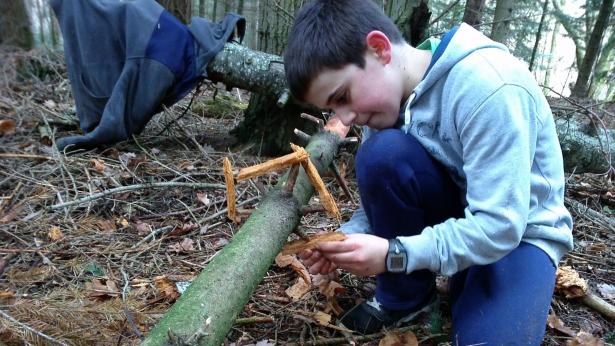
[(219, 107)]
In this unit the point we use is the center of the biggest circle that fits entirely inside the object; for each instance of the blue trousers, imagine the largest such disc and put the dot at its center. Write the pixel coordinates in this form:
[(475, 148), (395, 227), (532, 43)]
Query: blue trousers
[(403, 190)]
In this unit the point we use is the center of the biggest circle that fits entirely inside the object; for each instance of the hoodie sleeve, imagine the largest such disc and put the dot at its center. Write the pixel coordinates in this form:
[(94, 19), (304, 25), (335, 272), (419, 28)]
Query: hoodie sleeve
[(498, 138)]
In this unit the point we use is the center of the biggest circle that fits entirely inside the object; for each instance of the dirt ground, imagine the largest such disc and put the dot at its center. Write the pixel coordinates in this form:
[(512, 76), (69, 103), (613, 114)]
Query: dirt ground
[(104, 270)]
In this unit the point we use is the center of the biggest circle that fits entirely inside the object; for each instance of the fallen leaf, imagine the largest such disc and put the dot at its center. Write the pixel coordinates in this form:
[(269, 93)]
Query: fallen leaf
[(287, 260), (585, 339), (186, 245), (556, 323), (607, 291), (298, 290), (299, 245), (106, 226), (10, 215), (399, 339), (98, 165), (55, 234), (202, 197), (7, 127), (183, 229), (30, 276), (331, 289), (102, 289), (569, 283), (166, 288), (6, 294), (143, 228), (122, 222)]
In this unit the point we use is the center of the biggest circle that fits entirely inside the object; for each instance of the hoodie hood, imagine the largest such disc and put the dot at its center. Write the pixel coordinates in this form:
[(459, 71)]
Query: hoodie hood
[(456, 44)]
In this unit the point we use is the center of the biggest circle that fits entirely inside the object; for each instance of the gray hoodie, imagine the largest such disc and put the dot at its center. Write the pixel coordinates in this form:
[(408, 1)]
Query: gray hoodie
[(480, 113)]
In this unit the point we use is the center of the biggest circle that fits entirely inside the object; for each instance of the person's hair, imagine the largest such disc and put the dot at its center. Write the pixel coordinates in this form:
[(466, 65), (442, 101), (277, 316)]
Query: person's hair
[(330, 34)]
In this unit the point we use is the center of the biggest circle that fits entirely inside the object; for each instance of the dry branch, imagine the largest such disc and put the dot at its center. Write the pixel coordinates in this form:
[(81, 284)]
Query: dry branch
[(230, 190), (271, 165)]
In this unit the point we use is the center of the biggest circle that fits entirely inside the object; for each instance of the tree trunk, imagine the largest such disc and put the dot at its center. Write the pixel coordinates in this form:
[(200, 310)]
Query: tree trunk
[(584, 152), (202, 8), (581, 86), (15, 24), (501, 20), (222, 289), (604, 66), (181, 9), (473, 12), (537, 42), (419, 20), (554, 37)]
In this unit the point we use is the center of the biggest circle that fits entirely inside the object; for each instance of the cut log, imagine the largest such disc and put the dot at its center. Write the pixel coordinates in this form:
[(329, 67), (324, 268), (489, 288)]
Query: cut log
[(584, 153), (215, 298)]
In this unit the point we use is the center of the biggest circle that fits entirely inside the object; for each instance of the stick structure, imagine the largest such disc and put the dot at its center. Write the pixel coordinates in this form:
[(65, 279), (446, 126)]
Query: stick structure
[(271, 165)]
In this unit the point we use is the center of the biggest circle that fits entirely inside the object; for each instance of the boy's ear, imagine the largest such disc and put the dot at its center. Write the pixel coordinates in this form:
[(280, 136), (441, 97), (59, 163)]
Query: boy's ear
[(378, 43)]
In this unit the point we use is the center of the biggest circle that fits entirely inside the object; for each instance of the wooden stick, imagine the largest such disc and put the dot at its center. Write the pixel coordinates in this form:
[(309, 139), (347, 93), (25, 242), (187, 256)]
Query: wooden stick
[(325, 197), (599, 304), (309, 243), (271, 165), (230, 190)]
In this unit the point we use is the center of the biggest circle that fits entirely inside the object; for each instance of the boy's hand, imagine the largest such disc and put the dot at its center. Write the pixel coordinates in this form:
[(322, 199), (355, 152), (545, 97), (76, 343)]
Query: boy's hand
[(316, 262), (360, 254)]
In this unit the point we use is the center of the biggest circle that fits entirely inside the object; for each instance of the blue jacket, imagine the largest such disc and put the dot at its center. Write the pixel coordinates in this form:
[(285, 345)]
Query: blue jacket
[(127, 59)]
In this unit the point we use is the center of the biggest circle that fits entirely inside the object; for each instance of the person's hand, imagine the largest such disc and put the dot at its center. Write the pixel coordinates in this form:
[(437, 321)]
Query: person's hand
[(316, 262), (360, 254)]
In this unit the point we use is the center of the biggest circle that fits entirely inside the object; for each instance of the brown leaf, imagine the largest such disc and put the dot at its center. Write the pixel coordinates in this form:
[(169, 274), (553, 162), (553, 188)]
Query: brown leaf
[(202, 197), (184, 229), (30, 276), (166, 288), (296, 265), (55, 234), (10, 215), (299, 245), (331, 289), (569, 283), (7, 127), (186, 245), (143, 228), (6, 294), (106, 226), (298, 290), (102, 289), (555, 323), (585, 339), (399, 339), (98, 165), (122, 222)]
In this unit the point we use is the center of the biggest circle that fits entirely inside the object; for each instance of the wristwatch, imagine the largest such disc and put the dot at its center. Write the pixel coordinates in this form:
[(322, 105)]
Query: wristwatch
[(397, 258)]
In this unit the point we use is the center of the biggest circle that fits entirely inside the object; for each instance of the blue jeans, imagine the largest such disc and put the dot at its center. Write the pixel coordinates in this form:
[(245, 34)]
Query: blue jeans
[(403, 190)]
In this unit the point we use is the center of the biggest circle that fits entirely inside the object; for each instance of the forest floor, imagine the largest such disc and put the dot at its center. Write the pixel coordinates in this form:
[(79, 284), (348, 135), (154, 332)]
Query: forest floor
[(104, 271)]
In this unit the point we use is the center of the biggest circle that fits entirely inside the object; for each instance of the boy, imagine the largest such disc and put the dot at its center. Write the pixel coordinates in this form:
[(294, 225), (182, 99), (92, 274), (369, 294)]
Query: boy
[(460, 172)]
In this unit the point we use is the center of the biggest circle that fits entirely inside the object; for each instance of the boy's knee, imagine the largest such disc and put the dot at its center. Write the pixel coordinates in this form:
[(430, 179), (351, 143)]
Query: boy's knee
[(387, 150)]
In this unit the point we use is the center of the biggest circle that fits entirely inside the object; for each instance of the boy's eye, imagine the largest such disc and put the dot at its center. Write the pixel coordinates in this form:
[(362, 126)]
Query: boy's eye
[(342, 99)]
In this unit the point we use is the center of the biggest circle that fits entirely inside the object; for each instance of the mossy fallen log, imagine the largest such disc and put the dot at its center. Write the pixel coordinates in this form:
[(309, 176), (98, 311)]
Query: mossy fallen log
[(222, 289)]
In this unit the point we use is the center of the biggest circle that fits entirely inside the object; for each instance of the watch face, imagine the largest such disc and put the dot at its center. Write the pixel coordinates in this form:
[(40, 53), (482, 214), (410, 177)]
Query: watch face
[(397, 262)]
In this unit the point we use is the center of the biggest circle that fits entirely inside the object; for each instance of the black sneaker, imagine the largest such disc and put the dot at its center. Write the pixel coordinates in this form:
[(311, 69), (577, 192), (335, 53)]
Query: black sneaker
[(370, 317)]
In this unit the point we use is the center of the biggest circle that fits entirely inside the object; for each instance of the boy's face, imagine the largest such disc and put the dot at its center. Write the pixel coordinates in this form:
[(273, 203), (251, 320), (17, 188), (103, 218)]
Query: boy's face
[(370, 96)]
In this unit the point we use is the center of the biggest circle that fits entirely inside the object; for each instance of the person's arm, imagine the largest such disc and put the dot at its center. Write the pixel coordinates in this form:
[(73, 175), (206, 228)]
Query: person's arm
[(498, 139)]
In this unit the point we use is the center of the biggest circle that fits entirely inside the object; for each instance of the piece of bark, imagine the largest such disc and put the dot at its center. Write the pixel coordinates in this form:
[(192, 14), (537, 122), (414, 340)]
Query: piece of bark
[(271, 165), (230, 190), (325, 197), (299, 245)]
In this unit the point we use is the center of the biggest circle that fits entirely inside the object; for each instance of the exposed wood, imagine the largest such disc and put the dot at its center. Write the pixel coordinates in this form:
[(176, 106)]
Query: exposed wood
[(237, 269)]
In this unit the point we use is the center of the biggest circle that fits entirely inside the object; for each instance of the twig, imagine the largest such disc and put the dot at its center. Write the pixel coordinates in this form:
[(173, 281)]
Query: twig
[(317, 121), (152, 235), (599, 304), (342, 182), (360, 338), (591, 214), (8, 201), (302, 135), (31, 330), (254, 319), (26, 156), (443, 13), (223, 211), (289, 184), (137, 187)]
